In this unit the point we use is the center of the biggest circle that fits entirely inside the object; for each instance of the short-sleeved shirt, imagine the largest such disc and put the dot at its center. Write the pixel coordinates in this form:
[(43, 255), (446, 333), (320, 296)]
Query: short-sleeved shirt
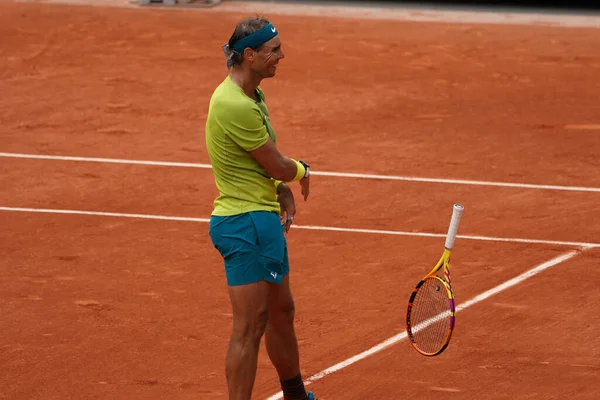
[(235, 126)]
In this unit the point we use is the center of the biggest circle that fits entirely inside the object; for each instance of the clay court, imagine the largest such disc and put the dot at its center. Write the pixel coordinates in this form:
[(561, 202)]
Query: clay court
[(502, 118)]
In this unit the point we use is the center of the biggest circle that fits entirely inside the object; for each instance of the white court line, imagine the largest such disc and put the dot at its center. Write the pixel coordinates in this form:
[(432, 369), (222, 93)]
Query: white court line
[(103, 214), (477, 299), (316, 173), (105, 160), (310, 227), (443, 235)]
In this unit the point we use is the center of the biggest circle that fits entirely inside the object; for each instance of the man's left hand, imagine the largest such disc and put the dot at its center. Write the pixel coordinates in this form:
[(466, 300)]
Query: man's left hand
[(287, 205)]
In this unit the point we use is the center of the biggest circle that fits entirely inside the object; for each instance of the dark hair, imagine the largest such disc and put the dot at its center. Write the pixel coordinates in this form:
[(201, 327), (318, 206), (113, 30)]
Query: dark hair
[(243, 29)]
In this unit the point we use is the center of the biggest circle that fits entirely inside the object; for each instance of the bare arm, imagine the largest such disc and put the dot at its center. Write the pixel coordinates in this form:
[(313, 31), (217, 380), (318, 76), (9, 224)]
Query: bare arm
[(277, 165)]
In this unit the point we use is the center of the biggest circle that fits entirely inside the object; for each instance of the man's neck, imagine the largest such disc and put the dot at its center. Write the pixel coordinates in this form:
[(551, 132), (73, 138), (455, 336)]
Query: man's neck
[(245, 79)]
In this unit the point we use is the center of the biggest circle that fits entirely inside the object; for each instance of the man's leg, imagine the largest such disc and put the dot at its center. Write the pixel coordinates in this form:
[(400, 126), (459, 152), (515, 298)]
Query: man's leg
[(281, 342), (250, 316)]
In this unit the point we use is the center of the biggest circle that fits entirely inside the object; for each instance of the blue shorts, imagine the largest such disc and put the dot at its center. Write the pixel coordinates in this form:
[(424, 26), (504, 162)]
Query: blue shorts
[(253, 247)]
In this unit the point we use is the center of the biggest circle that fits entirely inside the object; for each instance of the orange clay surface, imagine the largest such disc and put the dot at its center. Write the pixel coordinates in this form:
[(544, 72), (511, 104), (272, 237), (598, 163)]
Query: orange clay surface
[(96, 307)]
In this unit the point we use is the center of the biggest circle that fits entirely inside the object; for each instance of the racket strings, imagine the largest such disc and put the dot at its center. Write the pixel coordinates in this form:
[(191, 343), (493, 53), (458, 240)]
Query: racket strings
[(430, 316)]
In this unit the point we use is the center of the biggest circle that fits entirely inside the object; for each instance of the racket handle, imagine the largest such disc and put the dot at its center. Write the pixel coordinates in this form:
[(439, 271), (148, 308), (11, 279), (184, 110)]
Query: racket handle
[(454, 222)]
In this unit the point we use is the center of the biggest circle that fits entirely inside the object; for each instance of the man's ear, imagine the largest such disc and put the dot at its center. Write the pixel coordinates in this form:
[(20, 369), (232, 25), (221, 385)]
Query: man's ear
[(249, 54)]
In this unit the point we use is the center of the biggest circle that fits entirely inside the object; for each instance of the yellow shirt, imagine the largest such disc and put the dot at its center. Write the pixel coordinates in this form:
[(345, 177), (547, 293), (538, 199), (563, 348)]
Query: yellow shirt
[(236, 125)]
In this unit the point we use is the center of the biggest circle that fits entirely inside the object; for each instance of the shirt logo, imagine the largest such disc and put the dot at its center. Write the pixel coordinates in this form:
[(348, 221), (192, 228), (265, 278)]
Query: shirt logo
[(274, 275)]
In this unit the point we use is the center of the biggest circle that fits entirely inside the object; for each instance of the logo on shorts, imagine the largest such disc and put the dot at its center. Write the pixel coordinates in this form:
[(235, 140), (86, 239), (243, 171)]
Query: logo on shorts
[(274, 275)]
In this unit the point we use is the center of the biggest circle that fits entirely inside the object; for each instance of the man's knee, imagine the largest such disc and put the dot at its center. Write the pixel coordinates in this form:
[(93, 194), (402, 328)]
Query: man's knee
[(283, 313), (251, 327)]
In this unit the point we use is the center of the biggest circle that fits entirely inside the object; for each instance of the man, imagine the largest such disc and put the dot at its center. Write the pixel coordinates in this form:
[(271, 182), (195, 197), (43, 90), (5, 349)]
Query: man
[(254, 208)]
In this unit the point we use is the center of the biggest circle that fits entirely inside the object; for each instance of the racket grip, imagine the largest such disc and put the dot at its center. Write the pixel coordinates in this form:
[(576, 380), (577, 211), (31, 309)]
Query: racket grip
[(454, 222)]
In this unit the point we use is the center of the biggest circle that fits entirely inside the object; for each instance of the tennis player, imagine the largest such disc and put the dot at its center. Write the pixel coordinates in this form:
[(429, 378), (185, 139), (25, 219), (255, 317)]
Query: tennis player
[(254, 210)]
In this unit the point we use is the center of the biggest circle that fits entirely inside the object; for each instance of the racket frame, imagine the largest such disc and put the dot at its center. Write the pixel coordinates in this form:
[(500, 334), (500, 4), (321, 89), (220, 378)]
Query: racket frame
[(444, 262), (446, 283)]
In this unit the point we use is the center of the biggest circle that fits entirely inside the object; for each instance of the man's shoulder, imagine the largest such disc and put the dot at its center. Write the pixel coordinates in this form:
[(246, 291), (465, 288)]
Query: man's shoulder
[(230, 103)]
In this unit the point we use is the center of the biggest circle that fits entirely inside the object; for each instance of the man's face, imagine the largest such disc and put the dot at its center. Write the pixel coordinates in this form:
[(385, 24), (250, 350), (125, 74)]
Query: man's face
[(267, 58)]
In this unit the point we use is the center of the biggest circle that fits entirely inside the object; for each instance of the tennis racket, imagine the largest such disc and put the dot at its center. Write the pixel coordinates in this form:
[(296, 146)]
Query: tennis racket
[(430, 315)]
